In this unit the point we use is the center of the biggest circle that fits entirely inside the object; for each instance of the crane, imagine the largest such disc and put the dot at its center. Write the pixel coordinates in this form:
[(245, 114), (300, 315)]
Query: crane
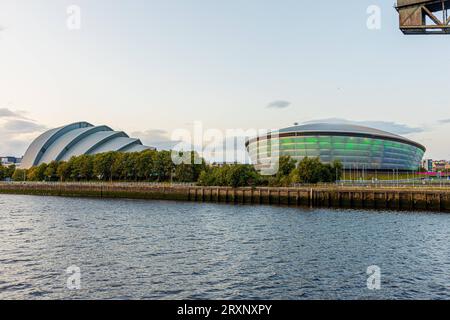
[(423, 17)]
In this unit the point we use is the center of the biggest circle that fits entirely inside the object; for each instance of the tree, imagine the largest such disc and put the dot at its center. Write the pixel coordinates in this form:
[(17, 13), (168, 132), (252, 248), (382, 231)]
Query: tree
[(337, 170), (145, 168), (149, 165), (37, 173), (285, 166), (51, 171), (9, 171), (164, 165), (20, 175), (103, 163), (118, 171), (205, 178), (311, 170), (308, 170), (283, 177), (190, 172), (242, 175), (64, 171), (214, 176), (185, 173), (82, 167), (237, 175), (2, 172), (198, 165)]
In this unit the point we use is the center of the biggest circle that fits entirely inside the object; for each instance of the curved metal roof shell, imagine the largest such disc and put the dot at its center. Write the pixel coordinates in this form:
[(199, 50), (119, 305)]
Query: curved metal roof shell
[(60, 144)]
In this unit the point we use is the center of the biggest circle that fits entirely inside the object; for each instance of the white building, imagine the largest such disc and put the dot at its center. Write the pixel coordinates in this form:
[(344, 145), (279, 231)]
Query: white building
[(7, 161)]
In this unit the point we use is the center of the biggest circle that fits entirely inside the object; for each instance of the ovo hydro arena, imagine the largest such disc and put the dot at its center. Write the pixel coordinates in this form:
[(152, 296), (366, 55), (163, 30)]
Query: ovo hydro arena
[(356, 147)]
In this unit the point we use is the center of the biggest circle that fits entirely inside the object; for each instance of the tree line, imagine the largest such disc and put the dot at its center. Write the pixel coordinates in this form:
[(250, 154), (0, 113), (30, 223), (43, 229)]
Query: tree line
[(307, 171), (6, 172), (148, 165), (157, 166)]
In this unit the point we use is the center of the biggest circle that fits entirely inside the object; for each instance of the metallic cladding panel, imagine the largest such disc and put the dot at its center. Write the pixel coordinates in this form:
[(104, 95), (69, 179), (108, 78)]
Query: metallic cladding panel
[(91, 142), (342, 130), (81, 137), (66, 141), (353, 152), (34, 148), (40, 145), (137, 148), (76, 139), (116, 144)]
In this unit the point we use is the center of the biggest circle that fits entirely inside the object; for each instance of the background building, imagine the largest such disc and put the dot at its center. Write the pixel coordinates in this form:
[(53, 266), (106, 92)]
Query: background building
[(427, 164), (440, 165), (77, 139), (447, 167), (357, 147), (433, 166), (7, 161)]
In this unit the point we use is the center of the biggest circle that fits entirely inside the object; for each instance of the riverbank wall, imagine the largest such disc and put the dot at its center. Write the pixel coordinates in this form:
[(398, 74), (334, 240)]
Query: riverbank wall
[(418, 198)]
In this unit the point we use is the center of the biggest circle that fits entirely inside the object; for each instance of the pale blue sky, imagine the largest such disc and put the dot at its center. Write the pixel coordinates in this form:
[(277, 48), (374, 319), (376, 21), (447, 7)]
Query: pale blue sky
[(149, 67)]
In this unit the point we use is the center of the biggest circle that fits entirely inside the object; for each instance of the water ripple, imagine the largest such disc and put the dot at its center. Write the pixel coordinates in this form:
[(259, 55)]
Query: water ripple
[(168, 250)]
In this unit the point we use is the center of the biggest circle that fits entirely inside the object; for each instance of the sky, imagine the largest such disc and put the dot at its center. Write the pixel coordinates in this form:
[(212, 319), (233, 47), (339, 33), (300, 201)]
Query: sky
[(153, 67)]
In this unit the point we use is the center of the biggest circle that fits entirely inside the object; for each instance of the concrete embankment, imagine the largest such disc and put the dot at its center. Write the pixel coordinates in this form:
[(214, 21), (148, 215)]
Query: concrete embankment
[(426, 198)]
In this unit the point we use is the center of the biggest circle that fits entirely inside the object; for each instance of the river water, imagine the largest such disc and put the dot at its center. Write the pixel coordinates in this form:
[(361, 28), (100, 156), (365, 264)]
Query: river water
[(131, 249)]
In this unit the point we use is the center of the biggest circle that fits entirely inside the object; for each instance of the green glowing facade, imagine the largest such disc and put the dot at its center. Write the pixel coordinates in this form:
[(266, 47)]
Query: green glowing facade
[(356, 147)]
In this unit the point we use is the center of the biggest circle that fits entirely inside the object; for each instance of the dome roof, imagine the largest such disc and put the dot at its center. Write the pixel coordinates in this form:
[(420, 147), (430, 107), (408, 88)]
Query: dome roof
[(335, 127), (345, 129), (76, 139)]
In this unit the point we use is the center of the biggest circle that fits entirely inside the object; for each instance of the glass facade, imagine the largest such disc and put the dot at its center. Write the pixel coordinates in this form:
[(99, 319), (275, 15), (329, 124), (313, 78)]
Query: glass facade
[(354, 152)]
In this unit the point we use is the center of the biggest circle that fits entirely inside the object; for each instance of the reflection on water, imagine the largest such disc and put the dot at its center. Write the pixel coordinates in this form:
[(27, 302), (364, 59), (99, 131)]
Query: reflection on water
[(171, 250)]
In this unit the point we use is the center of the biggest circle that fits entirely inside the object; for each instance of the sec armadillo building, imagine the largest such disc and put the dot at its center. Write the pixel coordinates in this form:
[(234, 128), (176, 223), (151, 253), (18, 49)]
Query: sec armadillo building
[(357, 147), (77, 139)]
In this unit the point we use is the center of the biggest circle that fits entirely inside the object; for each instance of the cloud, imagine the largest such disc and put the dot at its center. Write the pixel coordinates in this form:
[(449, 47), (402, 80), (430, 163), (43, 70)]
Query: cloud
[(389, 126), (444, 121), (7, 113), (279, 104), (156, 138), (22, 126), (17, 132)]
